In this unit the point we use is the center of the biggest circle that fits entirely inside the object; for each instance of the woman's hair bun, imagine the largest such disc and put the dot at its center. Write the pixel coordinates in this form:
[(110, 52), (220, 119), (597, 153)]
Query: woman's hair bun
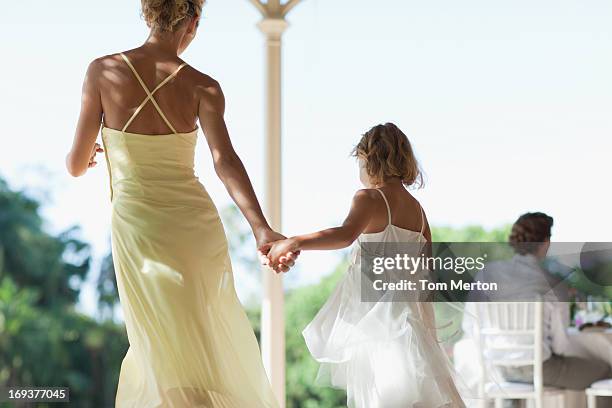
[(166, 15), (529, 231)]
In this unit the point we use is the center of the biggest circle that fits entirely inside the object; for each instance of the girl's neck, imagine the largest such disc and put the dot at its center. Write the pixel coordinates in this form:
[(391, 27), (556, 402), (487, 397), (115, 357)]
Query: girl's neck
[(393, 182)]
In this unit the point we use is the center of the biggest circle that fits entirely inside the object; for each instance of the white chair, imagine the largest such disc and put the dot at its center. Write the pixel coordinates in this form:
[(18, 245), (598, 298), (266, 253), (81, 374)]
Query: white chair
[(523, 322), (602, 388)]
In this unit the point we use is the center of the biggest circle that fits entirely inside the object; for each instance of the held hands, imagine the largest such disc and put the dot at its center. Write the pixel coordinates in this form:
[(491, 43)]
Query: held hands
[(279, 254), (274, 250)]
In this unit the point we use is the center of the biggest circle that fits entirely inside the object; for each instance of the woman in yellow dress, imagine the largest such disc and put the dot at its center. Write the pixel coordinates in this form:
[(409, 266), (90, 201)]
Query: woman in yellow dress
[(191, 344)]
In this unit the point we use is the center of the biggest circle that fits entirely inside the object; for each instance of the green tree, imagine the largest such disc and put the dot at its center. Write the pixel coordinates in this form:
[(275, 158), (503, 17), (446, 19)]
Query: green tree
[(44, 340), (470, 233), (54, 265)]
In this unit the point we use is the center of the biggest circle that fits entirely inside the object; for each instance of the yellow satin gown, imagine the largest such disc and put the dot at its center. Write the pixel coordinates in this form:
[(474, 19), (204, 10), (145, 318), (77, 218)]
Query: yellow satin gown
[(191, 344)]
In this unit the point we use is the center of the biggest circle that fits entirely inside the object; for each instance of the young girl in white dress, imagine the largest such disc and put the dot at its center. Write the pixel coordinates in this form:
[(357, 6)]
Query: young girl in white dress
[(384, 353)]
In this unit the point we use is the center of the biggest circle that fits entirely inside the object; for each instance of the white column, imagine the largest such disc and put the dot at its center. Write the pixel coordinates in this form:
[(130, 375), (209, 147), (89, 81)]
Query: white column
[(273, 315)]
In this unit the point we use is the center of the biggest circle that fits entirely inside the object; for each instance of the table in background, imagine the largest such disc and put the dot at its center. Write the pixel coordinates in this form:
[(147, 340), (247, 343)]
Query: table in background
[(591, 344)]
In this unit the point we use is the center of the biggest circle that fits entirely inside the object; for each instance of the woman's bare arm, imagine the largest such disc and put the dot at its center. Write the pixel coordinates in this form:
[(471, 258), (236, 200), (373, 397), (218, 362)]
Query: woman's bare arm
[(228, 165), (84, 146)]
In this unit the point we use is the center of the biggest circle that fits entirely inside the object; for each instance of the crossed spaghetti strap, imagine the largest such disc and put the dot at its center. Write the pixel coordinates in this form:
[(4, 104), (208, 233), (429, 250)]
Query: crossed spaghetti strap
[(137, 111), (389, 211), (150, 96)]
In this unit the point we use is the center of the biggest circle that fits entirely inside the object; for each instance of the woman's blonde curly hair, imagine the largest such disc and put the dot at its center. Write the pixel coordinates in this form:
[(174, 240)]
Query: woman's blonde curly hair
[(167, 15), (387, 154)]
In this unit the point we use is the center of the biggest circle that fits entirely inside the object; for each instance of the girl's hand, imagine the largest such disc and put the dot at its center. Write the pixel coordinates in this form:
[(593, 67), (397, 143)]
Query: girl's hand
[(92, 159), (283, 252)]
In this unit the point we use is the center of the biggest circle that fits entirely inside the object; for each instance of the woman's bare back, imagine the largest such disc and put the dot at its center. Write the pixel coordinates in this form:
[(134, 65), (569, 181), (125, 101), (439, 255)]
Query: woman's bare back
[(121, 93)]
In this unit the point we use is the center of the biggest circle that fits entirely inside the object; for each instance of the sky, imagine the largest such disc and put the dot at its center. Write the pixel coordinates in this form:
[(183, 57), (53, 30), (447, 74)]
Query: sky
[(507, 104)]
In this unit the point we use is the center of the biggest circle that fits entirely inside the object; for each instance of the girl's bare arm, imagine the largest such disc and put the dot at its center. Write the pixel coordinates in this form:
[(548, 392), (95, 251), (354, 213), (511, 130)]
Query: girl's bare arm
[(331, 238)]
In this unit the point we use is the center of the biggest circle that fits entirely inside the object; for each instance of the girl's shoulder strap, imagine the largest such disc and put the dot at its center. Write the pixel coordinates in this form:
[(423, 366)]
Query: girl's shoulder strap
[(387, 204), (422, 218)]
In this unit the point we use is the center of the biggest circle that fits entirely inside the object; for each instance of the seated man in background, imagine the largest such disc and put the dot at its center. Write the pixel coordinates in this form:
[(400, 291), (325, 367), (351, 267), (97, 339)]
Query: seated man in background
[(523, 278)]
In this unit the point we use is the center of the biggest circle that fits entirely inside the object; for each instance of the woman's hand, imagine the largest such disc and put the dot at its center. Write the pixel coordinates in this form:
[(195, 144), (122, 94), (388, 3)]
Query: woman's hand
[(265, 239), (265, 236), (282, 252), (82, 155), (92, 158)]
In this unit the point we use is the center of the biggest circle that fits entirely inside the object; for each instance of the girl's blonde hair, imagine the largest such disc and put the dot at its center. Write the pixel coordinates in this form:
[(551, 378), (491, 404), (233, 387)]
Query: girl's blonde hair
[(167, 15), (387, 153)]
